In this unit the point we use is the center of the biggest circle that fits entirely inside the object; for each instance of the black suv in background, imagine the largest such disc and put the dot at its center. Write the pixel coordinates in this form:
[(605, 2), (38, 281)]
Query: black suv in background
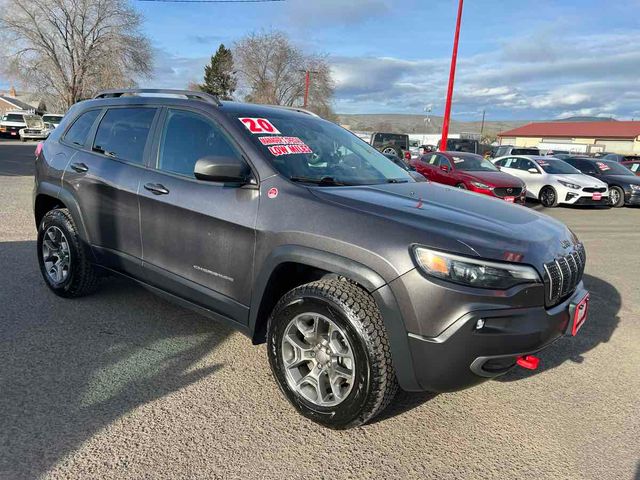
[(624, 186), (297, 233), (392, 144)]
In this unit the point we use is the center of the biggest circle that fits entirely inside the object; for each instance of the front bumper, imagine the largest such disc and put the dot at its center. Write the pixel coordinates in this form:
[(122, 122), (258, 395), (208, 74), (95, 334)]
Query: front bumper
[(577, 198), (632, 199), (464, 355)]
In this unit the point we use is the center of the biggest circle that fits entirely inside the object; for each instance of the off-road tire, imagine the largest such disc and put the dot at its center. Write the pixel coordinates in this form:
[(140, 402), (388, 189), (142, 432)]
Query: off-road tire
[(394, 149), (83, 277), (354, 310)]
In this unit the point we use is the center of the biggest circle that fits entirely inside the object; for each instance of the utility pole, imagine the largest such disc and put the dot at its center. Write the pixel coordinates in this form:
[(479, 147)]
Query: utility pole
[(482, 125), (452, 74)]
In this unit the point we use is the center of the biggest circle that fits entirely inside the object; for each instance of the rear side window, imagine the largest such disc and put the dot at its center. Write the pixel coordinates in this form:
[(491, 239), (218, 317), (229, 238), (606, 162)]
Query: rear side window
[(78, 132), (123, 133), (188, 137)]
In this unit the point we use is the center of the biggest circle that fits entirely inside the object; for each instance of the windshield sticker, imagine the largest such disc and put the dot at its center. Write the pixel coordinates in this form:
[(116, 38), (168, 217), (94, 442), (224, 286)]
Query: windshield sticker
[(603, 166), (272, 193), (543, 163), (277, 150), (458, 160), (259, 125), (280, 140)]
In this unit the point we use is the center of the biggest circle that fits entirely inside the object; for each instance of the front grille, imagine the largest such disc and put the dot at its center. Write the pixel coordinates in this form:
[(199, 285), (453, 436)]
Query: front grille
[(31, 131), (507, 192), (563, 275), (594, 189)]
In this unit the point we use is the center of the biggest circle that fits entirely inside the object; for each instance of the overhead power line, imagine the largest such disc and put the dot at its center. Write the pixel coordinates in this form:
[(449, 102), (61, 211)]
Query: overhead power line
[(212, 1)]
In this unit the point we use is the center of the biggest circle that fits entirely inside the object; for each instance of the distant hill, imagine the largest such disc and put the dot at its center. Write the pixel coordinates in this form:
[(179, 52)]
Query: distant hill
[(586, 119), (401, 123)]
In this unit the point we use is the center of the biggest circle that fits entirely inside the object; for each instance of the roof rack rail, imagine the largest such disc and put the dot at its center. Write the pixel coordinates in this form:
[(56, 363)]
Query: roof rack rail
[(297, 109), (190, 94)]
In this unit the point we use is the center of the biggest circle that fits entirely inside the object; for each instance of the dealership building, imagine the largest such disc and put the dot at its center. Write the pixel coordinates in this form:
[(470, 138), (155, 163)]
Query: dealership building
[(578, 137)]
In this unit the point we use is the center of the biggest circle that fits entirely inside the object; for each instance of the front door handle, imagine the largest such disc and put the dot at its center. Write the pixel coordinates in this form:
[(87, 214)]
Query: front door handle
[(79, 167), (156, 188)]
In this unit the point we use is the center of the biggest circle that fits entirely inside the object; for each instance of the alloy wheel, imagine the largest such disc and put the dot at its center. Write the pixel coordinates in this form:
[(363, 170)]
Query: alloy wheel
[(615, 196), (318, 359), (56, 255)]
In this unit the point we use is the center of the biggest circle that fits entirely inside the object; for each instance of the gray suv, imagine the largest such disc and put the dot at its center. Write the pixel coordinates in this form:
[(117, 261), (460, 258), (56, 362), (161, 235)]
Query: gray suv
[(301, 235)]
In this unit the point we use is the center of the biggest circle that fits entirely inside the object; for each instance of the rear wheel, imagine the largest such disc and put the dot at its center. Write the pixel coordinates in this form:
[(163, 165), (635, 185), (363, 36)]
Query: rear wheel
[(329, 352), (616, 197), (548, 197), (63, 256)]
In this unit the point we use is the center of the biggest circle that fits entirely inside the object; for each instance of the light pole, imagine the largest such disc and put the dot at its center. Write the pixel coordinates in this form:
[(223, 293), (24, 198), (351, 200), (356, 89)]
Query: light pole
[(307, 82), (452, 74)]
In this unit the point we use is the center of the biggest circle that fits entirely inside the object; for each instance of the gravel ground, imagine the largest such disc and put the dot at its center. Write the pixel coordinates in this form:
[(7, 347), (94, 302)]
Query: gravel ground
[(122, 384)]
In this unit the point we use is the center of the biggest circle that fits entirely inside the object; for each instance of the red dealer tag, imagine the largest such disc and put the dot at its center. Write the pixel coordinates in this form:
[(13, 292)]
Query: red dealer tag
[(272, 193), (259, 125)]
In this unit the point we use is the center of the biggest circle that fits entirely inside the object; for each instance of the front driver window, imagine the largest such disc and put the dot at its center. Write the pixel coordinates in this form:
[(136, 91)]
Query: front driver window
[(188, 137)]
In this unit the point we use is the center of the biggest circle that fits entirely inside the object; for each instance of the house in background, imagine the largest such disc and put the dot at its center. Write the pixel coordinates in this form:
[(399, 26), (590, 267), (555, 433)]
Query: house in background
[(12, 101), (577, 137)]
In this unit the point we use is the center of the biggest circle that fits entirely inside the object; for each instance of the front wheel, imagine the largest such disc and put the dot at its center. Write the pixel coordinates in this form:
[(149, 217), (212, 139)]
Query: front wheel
[(461, 186), (548, 197), (329, 352), (616, 197)]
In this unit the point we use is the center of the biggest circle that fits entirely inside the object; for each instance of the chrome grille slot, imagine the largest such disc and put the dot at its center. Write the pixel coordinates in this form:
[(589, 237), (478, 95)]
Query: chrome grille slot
[(563, 275)]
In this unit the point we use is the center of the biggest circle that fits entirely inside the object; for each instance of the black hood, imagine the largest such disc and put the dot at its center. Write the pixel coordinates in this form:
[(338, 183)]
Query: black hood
[(461, 221)]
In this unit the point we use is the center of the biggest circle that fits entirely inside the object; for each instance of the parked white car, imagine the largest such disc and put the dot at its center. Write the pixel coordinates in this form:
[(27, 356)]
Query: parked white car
[(553, 181)]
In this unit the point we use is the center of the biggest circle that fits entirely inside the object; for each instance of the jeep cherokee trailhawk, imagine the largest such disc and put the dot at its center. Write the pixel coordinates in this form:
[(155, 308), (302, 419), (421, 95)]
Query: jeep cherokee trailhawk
[(301, 235)]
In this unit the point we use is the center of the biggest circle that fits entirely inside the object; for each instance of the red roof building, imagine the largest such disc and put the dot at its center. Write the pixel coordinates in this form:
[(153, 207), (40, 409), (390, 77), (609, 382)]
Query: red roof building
[(609, 136)]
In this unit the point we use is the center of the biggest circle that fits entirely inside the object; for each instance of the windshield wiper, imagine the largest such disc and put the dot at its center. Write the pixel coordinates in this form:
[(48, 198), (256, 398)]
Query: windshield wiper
[(397, 180), (329, 181)]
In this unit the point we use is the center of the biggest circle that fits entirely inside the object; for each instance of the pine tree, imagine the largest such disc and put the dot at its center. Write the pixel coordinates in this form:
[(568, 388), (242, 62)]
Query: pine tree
[(219, 77)]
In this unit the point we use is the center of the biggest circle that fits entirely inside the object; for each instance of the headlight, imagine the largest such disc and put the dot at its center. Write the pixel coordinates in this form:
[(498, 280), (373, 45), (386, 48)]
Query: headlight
[(481, 185), (474, 272), (635, 188), (570, 185)]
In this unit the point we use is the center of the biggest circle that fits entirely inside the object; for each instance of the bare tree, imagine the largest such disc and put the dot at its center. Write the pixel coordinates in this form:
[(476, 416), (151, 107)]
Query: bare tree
[(272, 70), (69, 49)]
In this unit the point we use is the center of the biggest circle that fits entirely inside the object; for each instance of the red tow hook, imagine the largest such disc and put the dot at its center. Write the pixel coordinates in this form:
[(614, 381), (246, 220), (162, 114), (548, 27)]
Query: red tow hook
[(529, 362)]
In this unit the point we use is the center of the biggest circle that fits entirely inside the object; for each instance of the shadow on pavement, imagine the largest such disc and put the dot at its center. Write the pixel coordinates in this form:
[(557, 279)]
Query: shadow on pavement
[(602, 321), (17, 160), (69, 368)]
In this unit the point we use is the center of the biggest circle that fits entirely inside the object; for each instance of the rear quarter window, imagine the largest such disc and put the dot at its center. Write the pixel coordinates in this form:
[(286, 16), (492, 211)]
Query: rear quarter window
[(78, 132)]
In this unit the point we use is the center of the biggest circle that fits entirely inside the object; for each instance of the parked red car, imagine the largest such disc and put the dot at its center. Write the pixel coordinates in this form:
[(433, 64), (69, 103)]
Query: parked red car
[(471, 172), (633, 165)]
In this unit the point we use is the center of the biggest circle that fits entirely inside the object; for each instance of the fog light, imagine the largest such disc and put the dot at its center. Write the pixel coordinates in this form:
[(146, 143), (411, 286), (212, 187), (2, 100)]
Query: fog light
[(479, 323)]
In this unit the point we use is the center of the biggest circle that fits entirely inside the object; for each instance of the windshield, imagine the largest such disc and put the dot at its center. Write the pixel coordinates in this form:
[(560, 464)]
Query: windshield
[(473, 163), (555, 166), (55, 119), (311, 150), (607, 167), (14, 117)]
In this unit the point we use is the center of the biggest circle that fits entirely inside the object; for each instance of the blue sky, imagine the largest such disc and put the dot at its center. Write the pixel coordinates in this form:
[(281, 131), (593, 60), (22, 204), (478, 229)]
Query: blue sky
[(518, 59)]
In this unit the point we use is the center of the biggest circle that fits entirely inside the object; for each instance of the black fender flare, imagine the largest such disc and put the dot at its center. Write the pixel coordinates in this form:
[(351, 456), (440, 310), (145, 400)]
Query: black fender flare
[(65, 197), (371, 281)]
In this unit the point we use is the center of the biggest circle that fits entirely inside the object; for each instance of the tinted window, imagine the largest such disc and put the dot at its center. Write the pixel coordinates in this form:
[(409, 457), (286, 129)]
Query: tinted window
[(123, 133), (608, 167), (525, 151), (187, 138), (78, 132), (444, 161), (401, 141), (524, 164)]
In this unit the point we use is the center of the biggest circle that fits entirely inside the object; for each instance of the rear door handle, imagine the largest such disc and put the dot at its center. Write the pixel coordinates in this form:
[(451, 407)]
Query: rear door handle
[(156, 188), (79, 167)]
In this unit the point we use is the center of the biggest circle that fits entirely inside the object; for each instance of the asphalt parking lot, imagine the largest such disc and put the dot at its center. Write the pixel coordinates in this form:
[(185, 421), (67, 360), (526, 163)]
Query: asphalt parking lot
[(122, 384)]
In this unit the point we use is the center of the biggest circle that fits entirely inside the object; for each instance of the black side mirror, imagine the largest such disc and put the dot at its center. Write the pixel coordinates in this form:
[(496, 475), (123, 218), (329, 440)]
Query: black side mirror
[(215, 168)]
